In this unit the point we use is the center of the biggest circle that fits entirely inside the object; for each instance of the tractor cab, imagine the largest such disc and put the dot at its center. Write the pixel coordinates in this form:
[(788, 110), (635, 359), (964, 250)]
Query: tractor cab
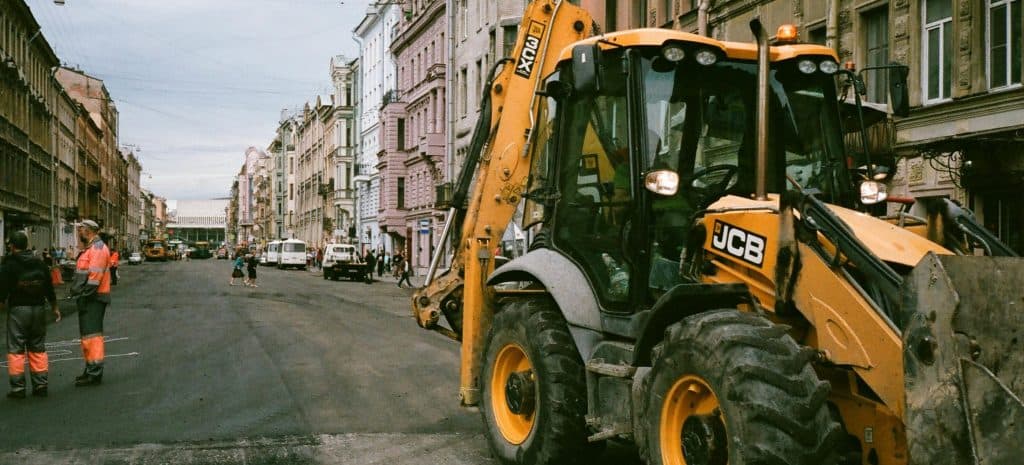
[(651, 127)]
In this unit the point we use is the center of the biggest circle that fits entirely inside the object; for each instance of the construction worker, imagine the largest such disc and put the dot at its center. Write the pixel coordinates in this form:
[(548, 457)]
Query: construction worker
[(115, 258), (91, 287), (25, 288)]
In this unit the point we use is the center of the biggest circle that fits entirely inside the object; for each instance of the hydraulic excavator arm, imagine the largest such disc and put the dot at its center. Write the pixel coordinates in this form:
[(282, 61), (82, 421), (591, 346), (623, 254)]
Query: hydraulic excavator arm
[(492, 183)]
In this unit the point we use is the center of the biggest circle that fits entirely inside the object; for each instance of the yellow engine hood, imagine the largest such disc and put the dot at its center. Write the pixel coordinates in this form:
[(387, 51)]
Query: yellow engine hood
[(886, 240)]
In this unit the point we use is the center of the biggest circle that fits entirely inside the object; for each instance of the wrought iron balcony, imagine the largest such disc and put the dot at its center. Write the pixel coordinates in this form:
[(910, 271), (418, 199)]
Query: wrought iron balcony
[(392, 96)]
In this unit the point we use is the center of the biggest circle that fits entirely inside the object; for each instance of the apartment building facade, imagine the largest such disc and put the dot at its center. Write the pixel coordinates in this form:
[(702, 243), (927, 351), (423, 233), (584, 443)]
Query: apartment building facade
[(103, 198), (341, 133), (28, 97), (483, 32), (376, 86), (310, 170), (282, 150), (414, 127)]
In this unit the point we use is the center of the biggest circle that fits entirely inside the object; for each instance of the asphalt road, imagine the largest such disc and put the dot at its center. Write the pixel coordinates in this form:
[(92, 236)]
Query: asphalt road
[(299, 370)]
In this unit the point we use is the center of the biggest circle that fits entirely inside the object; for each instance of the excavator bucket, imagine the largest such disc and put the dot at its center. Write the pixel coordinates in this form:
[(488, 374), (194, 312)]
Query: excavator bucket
[(963, 337)]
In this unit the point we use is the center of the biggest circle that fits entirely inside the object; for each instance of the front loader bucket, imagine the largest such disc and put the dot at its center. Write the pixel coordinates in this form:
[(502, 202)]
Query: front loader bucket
[(963, 350)]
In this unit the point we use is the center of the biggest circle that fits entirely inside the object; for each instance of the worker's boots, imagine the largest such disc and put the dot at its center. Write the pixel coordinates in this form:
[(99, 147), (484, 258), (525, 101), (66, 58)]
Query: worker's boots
[(89, 377)]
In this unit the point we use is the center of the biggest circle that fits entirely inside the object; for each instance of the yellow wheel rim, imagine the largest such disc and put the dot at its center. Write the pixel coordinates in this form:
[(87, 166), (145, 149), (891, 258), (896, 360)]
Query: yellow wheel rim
[(691, 398), (511, 362)]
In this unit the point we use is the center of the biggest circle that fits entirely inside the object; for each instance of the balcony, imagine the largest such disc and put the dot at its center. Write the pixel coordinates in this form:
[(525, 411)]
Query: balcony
[(435, 71), (344, 194), (342, 153), (326, 188), (391, 96), (432, 143), (362, 173), (443, 195)]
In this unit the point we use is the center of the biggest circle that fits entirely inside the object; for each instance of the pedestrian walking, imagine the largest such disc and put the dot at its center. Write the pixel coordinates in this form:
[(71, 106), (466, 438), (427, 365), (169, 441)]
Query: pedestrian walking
[(404, 270), (381, 258), (115, 259), (371, 263), (396, 261), (320, 258), (91, 288), (250, 264), (25, 289), (236, 268)]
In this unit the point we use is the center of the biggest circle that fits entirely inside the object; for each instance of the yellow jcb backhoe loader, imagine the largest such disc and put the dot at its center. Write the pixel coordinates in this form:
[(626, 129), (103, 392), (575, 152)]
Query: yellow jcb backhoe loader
[(706, 282)]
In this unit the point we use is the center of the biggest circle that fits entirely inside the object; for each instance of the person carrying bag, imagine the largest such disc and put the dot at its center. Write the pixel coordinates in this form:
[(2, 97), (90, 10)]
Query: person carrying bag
[(236, 270)]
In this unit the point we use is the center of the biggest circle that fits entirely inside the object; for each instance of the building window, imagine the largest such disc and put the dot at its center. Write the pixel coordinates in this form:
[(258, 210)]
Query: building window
[(401, 193), (1004, 45), (876, 45), (465, 19), (509, 34), (610, 9), (401, 133), (463, 84), (479, 81), (938, 47)]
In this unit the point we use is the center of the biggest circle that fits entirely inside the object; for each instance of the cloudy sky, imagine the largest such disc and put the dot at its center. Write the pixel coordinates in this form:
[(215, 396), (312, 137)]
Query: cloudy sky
[(196, 82)]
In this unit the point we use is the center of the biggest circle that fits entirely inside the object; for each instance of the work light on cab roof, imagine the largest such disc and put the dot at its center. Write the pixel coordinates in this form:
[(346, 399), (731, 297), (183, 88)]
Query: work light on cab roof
[(786, 34)]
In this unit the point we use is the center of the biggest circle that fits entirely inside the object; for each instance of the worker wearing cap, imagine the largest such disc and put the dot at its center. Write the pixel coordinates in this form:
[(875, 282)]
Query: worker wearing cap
[(25, 288), (91, 287)]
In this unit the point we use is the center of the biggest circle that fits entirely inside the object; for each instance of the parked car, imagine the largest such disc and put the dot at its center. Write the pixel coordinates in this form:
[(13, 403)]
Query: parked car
[(135, 258), (343, 260), (263, 259)]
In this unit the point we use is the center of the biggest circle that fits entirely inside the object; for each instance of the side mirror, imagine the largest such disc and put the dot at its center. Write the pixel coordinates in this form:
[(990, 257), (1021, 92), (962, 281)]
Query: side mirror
[(586, 68), (898, 92), (557, 90)]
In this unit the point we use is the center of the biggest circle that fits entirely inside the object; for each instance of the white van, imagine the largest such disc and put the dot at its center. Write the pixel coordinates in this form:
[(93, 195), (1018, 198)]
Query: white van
[(293, 253), (273, 252)]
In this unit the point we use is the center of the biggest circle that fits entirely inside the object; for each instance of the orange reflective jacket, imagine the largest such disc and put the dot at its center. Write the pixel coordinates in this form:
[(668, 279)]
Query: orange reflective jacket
[(93, 268)]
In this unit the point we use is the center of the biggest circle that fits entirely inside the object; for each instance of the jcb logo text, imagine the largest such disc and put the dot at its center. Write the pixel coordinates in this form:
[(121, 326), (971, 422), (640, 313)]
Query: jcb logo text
[(739, 243)]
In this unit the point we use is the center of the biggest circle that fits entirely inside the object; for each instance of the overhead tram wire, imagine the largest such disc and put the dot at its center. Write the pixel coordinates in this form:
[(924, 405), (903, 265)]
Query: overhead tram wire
[(51, 31), (68, 39)]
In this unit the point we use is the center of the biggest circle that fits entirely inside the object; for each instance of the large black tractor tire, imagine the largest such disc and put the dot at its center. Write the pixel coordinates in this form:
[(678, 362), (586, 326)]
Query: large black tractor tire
[(533, 387), (734, 388)]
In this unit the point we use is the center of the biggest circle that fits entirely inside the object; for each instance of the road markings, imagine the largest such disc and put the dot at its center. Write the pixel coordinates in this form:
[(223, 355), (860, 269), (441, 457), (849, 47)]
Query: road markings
[(56, 352)]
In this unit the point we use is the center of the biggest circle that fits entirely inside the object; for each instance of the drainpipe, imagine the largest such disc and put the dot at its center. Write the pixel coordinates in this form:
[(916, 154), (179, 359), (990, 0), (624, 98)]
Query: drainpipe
[(449, 153), (357, 133), (702, 17), (832, 25)]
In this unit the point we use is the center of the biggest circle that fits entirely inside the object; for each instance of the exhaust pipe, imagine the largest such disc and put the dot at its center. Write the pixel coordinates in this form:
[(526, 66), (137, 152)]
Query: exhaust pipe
[(761, 168)]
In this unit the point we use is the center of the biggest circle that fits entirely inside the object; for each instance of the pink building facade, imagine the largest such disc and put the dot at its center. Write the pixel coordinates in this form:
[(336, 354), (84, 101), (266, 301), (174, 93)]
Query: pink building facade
[(412, 160)]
